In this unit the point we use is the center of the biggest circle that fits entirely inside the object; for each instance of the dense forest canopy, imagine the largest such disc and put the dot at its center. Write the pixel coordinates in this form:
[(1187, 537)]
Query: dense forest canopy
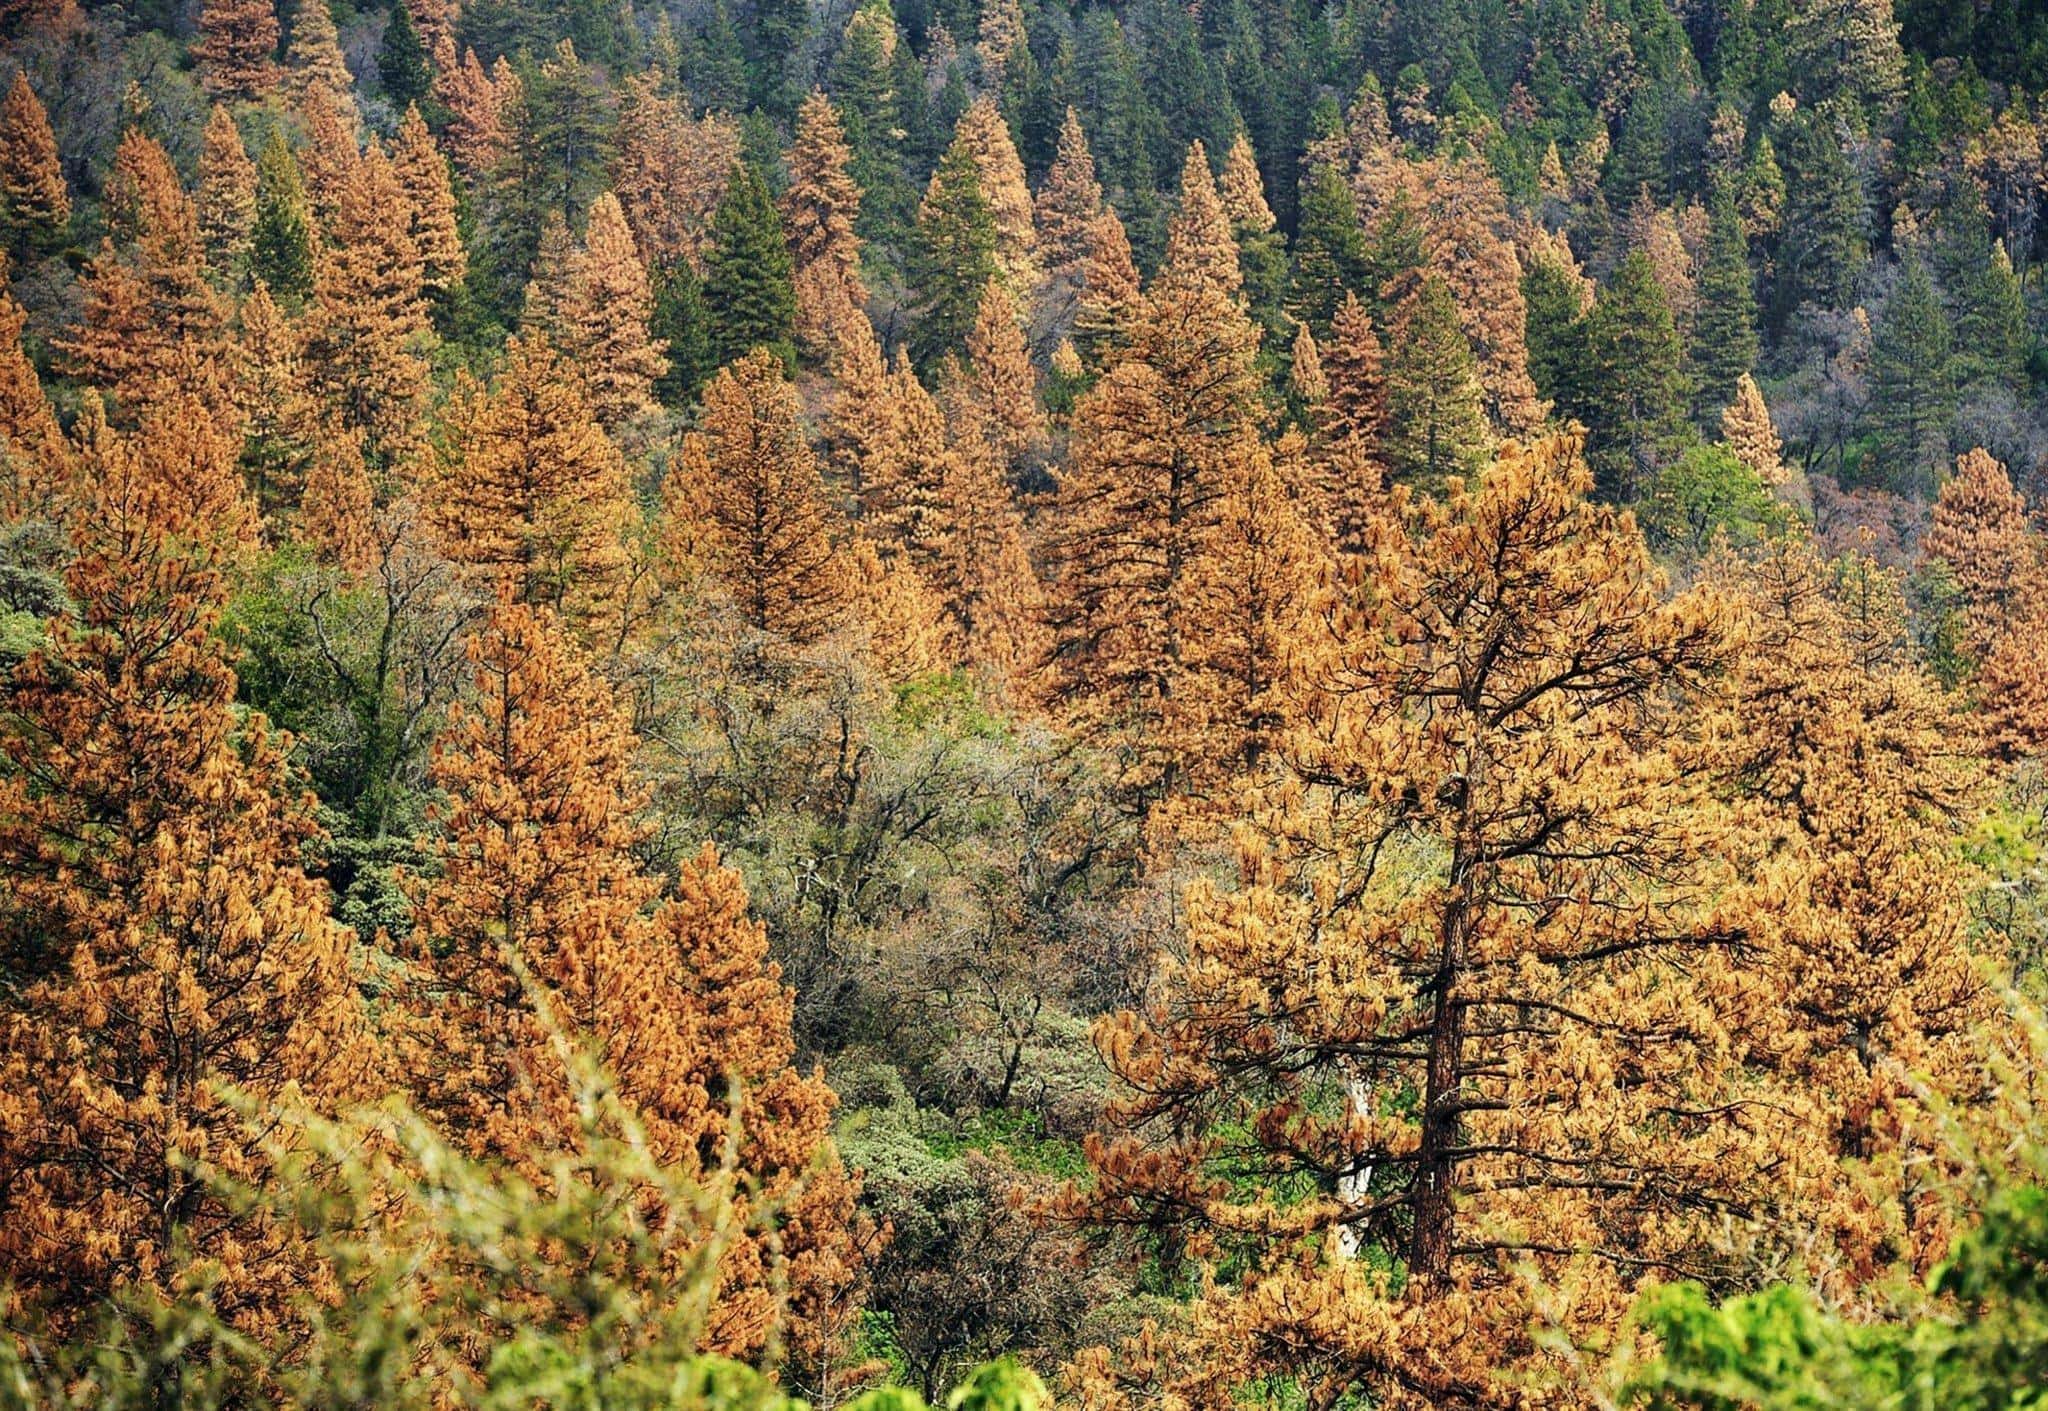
[(1139, 704)]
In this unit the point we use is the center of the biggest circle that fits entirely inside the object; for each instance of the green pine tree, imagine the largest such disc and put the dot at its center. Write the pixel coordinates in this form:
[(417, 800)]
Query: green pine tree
[(749, 301), (1329, 250), (402, 61), (952, 257), (1632, 395), (1822, 248), (1724, 337), (1554, 329), (281, 237), (1912, 383), (678, 319), (1436, 419)]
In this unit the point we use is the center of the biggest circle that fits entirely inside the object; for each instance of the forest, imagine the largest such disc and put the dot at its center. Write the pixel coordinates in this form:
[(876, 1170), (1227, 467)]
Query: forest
[(1023, 705)]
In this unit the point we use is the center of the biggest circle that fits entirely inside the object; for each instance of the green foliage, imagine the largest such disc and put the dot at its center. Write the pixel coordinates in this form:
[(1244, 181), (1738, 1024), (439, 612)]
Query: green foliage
[(281, 241), (1912, 383), (402, 60), (748, 295), (1329, 250), (952, 257), (1705, 494)]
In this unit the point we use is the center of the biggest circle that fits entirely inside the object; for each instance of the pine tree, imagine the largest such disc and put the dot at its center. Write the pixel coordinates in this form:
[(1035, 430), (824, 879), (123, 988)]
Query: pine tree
[(1912, 381), (152, 323), (164, 945), (1547, 1042), (314, 59), (1329, 250), (1746, 430), (983, 138), (35, 204), (1262, 255), (751, 507), (601, 326), (1110, 292), (281, 237), (476, 115), (430, 204), (1822, 246), (1844, 56), (820, 212), (683, 328), (749, 296), (402, 63), (227, 197), (1436, 422), (1155, 446), (1991, 337), (35, 469), (530, 493), (863, 85), (538, 900), (1066, 208), (281, 421), (1724, 337), (670, 171), (1000, 384), (368, 325), (237, 49), (1634, 395), (952, 256), (1979, 533)]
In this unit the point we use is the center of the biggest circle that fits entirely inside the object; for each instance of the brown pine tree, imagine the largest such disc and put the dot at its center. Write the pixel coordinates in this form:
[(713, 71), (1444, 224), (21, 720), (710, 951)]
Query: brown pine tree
[(227, 196), (35, 204), (600, 321), (314, 60), (430, 200), (998, 386), (151, 319), (1155, 446), (476, 115), (1979, 534), (1066, 210), (538, 903), (281, 420), (1243, 190), (818, 214), (35, 461), (163, 944), (671, 170), (750, 507), (530, 492), (368, 327), (237, 49), (1108, 306)]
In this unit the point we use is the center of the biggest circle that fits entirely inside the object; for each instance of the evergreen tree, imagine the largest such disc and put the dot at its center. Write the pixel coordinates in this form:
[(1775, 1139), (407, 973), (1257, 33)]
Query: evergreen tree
[(226, 197), (1822, 246), (402, 62), (952, 256), (1329, 250), (1436, 419), (1632, 395), (1724, 335), (35, 204), (237, 48), (281, 238), (749, 295), (680, 323), (1912, 379), (601, 324), (821, 211)]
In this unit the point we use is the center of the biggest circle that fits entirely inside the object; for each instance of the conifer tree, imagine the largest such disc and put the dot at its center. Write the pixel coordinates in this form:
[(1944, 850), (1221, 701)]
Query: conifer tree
[(227, 197), (281, 422), (1396, 987), (1350, 424), (983, 138), (314, 59), (35, 204), (281, 237), (1067, 206), (601, 325), (530, 493), (368, 325), (1724, 337), (538, 900), (1329, 249), (1979, 532), (1633, 395), (164, 944), (670, 171), (953, 255), (152, 322), (237, 49), (430, 203), (1991, 337), (1912, 380), (751, 508), (34, 457), (1436, 422), (1261, 254), (476, 115), (862, 83), (1000, 384), (1155, 446), (749, 297), (1109, 303), (820, 212), (1747, 430), (402, 63)]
